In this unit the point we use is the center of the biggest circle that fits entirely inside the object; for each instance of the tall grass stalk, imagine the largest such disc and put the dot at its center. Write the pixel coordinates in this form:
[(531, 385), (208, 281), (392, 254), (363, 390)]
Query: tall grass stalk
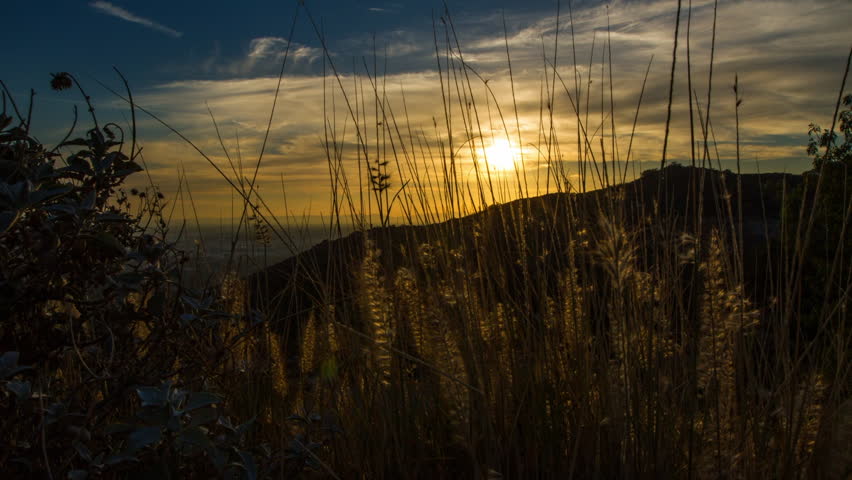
[(593, 335)]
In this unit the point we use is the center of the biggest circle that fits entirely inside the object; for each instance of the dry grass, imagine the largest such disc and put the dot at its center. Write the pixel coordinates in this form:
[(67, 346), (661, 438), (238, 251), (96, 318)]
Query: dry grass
[(634, 351)]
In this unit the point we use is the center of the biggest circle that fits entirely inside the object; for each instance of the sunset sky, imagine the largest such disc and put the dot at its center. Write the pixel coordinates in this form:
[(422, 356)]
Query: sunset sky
[(182, 56)]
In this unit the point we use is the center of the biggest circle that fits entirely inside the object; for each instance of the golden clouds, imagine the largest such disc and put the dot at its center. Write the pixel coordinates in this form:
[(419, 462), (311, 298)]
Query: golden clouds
[(788, 60)]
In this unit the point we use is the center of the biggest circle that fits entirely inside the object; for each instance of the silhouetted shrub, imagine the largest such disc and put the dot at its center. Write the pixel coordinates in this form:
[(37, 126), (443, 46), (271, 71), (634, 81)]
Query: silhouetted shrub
[(93, 312), (819, 228)]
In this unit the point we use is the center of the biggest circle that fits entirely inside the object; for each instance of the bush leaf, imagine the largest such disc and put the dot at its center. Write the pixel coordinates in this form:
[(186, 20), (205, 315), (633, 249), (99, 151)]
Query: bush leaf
[(201, 399)]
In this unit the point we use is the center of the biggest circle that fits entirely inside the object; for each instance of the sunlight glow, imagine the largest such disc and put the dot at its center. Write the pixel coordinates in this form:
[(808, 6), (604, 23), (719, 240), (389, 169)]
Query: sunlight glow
[(501, 155)]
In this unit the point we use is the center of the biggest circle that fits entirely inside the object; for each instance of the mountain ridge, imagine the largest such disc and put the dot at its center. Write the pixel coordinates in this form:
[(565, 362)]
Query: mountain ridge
[(326, 273)]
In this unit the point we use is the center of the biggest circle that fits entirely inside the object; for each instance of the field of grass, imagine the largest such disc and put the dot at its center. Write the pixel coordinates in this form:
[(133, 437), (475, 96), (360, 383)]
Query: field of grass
[(692, 323)]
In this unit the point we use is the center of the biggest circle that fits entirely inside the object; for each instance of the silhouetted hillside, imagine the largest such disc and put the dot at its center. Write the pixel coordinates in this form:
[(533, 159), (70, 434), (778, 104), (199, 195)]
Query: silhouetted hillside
[(534, 233)]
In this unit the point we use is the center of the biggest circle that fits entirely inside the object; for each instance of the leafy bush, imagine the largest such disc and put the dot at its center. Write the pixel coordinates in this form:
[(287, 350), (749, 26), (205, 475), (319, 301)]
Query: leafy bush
[(819, 215), (93, 311)]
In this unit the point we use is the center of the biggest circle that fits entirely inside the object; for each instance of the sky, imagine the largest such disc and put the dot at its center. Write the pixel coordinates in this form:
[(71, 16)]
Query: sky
[(191, 62)]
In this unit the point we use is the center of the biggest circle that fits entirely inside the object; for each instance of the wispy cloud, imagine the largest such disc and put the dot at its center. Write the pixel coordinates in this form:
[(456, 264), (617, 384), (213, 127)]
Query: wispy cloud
[(376, 9), (276, 47), (112, 10), (263, 57)]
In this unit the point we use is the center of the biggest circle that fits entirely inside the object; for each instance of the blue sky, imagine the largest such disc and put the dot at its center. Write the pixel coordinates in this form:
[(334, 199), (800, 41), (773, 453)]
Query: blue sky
[(159, 41), (182, 57)]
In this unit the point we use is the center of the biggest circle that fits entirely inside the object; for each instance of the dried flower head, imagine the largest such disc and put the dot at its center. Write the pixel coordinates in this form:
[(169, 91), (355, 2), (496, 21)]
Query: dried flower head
[(61, 81)]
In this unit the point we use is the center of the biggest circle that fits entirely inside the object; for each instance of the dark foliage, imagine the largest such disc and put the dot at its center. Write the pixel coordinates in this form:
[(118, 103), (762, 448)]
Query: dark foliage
[(104, 355), (819, 213)]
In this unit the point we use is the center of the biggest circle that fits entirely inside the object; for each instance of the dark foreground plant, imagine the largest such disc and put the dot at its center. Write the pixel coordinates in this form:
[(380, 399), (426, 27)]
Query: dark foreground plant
[(93, 312)]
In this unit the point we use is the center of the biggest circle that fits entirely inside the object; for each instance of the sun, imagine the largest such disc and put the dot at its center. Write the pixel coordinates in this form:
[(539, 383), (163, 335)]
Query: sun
[(500, 155)]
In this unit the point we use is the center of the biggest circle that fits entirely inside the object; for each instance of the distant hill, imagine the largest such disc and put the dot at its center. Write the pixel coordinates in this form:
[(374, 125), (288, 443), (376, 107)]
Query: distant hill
[(534, 232)]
